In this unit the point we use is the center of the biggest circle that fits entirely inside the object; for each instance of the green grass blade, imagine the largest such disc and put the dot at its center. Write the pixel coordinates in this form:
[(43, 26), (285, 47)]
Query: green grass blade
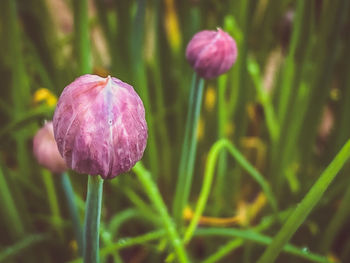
[(9, 252), (82, 39), (189, 148), (260, 239), (52, 200), (208, 178), (154, 195), (337, 221), (10, 213), (73, 210), (126, 242), (224, 251), (305, 206), (271, 121)]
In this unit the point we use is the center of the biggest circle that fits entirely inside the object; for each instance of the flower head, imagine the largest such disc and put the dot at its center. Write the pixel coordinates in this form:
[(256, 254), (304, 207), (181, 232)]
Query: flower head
[(100, 127), (45, 150), (211, 53)]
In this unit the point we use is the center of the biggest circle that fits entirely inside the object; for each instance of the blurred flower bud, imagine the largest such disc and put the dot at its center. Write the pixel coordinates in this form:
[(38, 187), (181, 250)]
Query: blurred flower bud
[(100, 127), (285, 28), (211, 53), (45, 150)]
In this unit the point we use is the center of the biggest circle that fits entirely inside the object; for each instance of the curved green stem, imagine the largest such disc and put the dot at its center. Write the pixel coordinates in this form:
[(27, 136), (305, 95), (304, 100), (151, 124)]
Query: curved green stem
[(208, 178), (73, 211), (154, 195), (189, 147), (92, 219), (306, 205)]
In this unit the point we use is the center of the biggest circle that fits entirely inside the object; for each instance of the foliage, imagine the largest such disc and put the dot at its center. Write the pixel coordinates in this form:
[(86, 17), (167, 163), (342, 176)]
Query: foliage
[(280, 112)]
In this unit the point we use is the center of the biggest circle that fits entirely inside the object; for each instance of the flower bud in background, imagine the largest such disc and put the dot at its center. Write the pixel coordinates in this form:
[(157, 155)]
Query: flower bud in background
[(100, 127), (211, 53), (45, 150)]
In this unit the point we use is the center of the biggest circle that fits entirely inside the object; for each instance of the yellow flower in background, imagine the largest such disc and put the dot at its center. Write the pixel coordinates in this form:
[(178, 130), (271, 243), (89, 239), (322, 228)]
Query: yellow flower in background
[(229, 129), (200, 129), (335, 94), (46, 96), (210, 98), (246, 213), (332, 257), (172, 28), (260, 147)]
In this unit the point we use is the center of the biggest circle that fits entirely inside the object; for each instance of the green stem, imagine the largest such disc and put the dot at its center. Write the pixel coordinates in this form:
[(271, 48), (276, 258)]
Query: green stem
[(92, 219), (288, 72), (154, 195), (138, 201), (283, 154), (73, 211), (132, 241), (244, 91), (224, 250), (189, 147), (20, 90), (141, 83), (126, 242), (115, 224), (20, 246), (265, 223), (333, 22), (10, 212), (264, 98), (52, 199), (336, 223), (124, 216), (208, 178), (82, 41), (306, 205), (222, 163), (25, 118), (260, 239), (345, 251)]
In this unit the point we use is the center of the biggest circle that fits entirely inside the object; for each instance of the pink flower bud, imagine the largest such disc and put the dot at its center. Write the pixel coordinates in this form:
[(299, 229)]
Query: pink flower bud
[(100, 127), (45, 150), (211, 53)]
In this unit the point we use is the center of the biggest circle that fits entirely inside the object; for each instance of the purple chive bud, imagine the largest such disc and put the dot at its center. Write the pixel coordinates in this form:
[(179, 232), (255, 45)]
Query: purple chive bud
[(211, 53), (45, 150), (100, 127)]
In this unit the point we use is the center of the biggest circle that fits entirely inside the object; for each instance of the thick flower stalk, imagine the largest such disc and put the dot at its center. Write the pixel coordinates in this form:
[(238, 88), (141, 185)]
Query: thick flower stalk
[(210, 53), (100, 129), (100, 126)]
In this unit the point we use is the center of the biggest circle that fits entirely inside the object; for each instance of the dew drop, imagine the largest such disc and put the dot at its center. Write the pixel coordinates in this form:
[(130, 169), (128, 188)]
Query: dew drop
[(122, 241), (305, 249)]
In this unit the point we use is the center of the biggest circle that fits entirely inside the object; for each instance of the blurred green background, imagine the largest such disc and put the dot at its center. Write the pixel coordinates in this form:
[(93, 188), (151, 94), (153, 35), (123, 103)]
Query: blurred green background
[(285, 106)]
